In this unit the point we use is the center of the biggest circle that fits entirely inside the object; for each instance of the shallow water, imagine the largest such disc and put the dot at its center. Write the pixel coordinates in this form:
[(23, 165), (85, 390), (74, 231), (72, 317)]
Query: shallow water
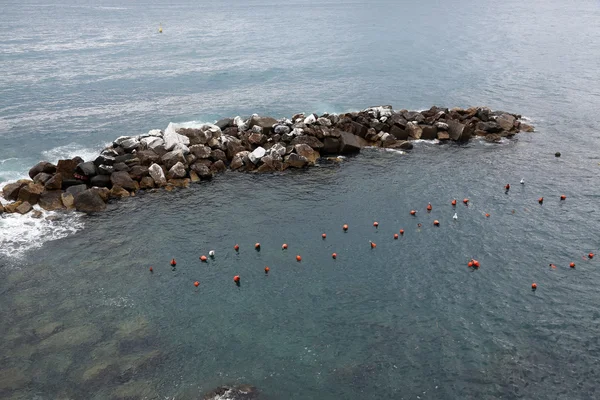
[(82, 317)]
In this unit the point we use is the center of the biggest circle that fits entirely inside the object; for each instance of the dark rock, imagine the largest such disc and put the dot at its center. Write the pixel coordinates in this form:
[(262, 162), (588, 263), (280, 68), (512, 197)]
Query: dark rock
[(54, 183), (371, 135), (196, 136), (489, 127), (51, 200), (401, 144), (172, 158), (42, 166), (331, 145), (75, 190), (121, 166), (218, 166), (1, 208), (118, 192), (66, 168), (31, 193), (101, 181), (89, 201), (24, 208), (104, 193), (526, 127), (224, 123), (399, 133), (147, 183), (42, 178), (414, 130), (11, 191), (231, 131), (458, 132), (87, 169), (266, 123), (257, 139), (105, 169), (66, 183), (307, 152), (123, 179), (506, 122), (233, 147), (295, 160), (557, 154), (398, 120), (309, 140), (104, 159), (282, 129), (349, 143), (202, 170), (147, 157), (429, 132), (124, 158), (138, 172), (354, 127), (218, 155)]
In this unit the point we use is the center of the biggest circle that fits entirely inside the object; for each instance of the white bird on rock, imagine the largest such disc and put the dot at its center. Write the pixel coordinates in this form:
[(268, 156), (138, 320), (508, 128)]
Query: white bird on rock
[(522, 181), (211, 253), (455, 216)]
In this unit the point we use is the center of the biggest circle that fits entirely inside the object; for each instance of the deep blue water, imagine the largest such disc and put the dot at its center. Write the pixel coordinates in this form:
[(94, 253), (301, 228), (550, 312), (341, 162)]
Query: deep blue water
[(403, 320)]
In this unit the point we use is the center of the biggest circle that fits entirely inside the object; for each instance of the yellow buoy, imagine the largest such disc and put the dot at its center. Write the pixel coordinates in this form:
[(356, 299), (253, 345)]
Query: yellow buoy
[(160, 29)]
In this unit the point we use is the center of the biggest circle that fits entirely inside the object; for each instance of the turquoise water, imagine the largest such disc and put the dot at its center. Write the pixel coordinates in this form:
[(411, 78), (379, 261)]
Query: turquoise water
[(82, 317)]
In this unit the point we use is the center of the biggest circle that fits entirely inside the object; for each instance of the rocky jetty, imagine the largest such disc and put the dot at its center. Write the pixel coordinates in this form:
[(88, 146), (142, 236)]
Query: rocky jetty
[(178, 157)]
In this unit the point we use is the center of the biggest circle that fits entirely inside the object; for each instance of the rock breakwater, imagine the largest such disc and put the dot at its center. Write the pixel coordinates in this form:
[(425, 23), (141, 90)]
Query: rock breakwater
[(177, 157)]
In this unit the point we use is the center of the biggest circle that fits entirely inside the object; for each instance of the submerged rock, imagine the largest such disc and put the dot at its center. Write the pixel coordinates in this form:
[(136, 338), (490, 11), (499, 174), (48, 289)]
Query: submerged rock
[(240, 392), (89, 201)]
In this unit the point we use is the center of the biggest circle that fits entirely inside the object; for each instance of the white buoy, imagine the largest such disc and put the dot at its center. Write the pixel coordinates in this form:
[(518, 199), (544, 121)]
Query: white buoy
[(455, 216), (522, 181), (211, 253)]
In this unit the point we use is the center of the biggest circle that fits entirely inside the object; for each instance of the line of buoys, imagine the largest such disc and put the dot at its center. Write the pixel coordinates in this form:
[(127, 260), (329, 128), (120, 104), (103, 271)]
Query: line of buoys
[(591, 255), (413, 212), (236, 247), (257, 246), (563, 197), (436, 223), (345, 227), (173, 263), (267, 270), (395, 236), (284, 246), (454, 202), (324, 236), (401, 231), (334, 256), (572, 265), (534, 286), (196, 283), (429, 208), (203, 258), (373, 245), (541, 200), (298, 258), (466, 201), (375, 224)]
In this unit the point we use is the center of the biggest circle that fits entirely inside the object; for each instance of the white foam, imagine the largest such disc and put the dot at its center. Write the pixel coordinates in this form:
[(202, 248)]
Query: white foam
[(384, 149), (434, 141), (20, 233), (71, 150)]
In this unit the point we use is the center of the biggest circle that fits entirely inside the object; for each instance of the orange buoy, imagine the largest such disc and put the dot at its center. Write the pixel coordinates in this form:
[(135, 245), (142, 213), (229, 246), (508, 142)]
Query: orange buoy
[(454, 202), (591, 255), (173, 263), (375, 224), (373, 245), (541, 200), (428, 206), (413, 212), (507, 187), (267, 270), (236, 247), (563, 197), (476, 263), (436, 222), (345, 227), (284, 246), (334, 256), (236, 279), (572, 265), (487, 215), (466, 201), (257, 246), (151, 270), (203, 258), (401, 231), (470, 264), (298, 258), (395, 236), (533, 286), (196, 283), (323, 236)]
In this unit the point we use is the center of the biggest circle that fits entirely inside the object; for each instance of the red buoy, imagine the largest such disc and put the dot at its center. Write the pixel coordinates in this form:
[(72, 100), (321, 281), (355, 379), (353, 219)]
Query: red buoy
[(476, 263), (591, 255), (563, 197), (298, 258), (375, 224), (345, 227), (267, 270), (236, 279), (572, 265), (413, 212), (196, 283), (533, 286), (507, 187), (203, 258), (454, 202), (236, 247), (257, 246), (334, 256), (173, 263), (373, 245), (436, 222), (466, 201), (429, 207), (470, 264), (395, 236), (151, 270), (324, 236), (284, 246), (401, 231), (487, 215), (541, 200)]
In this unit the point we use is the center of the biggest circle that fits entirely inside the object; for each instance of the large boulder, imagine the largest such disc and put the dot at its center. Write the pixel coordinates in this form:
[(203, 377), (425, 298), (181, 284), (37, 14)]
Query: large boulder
[(200, 151), (257, 154), (202, 170), (295, 160), (11, 191), (414, 130), (307, 152), (458, 132), (218, 155), (24, 208), (158, 175), (196, 136), (42, 166), (31, 193), (174, 140), (68, 200), (172, 158), (233, 146), (42, 178), (75, 190), (266, 123), (399, 133), (147, 157), (257, 139), (177, 171), (506, 122), (66, 168), (138, 172), (429, 132), (151, 142), (309, 140), (349, 143), (146, 182), (130, 144), (331, 145), (123, 179), (50, 200), (218, 166), (54, 183), (119, 192), (224, 123), (87, 169), (89, 201), (104, 159)]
